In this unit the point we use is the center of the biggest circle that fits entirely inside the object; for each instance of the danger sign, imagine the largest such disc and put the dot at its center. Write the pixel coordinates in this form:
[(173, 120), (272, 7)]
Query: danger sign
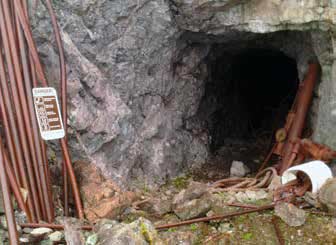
[(48, 113)]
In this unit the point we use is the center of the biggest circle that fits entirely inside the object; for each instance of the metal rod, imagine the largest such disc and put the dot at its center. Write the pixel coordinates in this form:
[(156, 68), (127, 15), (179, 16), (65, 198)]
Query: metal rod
[(215, 217), (40, 73), (303, 102), (13, 235), (5, 119), (53, 226), (15, 187), (4, 86), (73, 181), (63, 82), (277, 230), (13, 66), (34, 141)]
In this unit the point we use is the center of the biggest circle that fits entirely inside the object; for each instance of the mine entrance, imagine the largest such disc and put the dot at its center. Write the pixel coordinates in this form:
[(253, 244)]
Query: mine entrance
[(250, 92)]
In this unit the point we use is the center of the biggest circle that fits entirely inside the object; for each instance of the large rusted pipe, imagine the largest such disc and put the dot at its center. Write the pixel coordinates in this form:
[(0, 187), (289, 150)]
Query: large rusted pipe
[(303, 102)]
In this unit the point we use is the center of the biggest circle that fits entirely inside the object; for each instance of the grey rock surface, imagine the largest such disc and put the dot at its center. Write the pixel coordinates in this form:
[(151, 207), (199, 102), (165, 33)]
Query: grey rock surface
[(137, 72), (193, 208), (290, 214), (239, 169), (327, 195)]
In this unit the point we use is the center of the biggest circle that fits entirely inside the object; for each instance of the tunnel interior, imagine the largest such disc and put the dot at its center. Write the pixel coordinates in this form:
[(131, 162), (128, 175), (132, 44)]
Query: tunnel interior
[(253, 94), (249, 90)]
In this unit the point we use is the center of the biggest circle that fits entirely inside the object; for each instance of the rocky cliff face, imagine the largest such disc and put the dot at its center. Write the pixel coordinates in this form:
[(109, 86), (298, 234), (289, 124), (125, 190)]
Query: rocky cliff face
[(137, 72)]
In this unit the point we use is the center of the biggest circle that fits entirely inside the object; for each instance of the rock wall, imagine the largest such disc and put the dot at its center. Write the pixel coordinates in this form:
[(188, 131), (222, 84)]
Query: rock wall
[(137, 72)]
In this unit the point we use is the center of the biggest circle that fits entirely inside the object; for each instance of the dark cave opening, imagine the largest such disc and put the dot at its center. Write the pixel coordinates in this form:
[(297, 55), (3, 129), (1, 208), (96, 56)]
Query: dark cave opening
[(253, 94), (248, 93)]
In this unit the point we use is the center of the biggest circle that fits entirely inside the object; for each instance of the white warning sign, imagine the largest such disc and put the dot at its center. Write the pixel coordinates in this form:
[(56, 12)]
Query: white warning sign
[(48, 113)]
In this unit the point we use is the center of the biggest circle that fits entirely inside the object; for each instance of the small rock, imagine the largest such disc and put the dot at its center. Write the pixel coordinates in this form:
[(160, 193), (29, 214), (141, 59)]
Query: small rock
[(256, 195), (27, 230), (290, 214), (140, 231), (194, 208), (157, 206), (41, 231), (23, 240), (241, 197), (327, 196), (238, 169), (311, 198), (225, 227), (92, 240), (56, 236), (194, 190)]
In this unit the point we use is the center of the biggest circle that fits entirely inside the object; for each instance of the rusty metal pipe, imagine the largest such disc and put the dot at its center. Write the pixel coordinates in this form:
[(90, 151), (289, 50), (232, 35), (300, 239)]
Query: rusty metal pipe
[(13, 235), (216, 217), (53, 226), (303, 102), (34, 141), (41, 76), (13, 66), (9, 108), (63, 82), (73, 181), (41, 149), (6, 123), (30, 41), (15, 187)]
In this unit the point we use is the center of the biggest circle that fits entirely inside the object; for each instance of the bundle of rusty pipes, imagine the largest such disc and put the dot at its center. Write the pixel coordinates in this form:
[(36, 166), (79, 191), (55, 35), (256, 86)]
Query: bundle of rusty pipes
[(23, 160)]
